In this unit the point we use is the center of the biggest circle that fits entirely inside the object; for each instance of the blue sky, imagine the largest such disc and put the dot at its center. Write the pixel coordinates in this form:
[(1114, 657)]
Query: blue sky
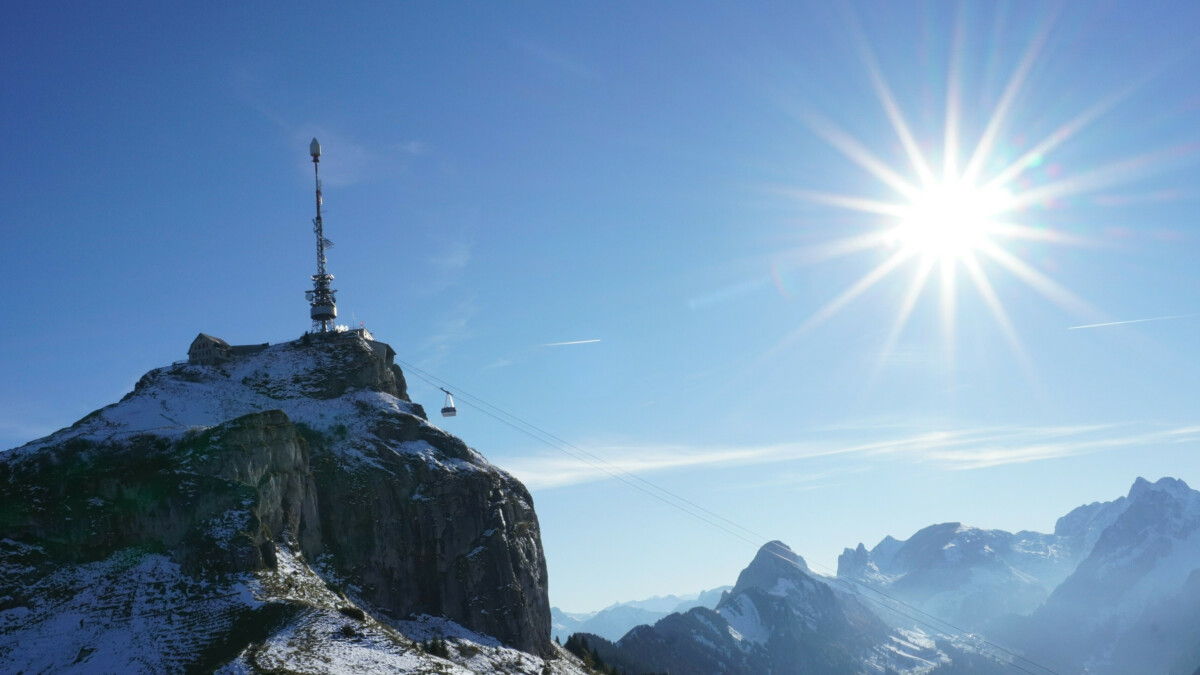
[(669, 186)]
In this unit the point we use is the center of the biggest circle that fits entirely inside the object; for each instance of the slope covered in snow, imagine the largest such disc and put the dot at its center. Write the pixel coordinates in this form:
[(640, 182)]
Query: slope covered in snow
[(287, 511), (778, 618), (1123, 604), (970, 576)]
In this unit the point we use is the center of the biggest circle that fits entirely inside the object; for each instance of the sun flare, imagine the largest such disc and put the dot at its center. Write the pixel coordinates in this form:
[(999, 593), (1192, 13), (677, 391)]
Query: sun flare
[(950, 221), (969, 219)]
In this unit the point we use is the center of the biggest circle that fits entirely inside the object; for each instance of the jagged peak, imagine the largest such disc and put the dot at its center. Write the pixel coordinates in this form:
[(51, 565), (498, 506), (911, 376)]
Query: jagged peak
[(326, 382), (1174, 487), (773, 562)]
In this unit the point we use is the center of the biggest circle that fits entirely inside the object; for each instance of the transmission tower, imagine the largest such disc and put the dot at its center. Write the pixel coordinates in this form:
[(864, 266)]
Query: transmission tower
[(323, 309)]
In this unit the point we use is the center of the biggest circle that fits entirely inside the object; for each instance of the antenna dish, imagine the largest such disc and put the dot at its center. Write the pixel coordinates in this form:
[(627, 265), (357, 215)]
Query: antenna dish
[(314, 148)]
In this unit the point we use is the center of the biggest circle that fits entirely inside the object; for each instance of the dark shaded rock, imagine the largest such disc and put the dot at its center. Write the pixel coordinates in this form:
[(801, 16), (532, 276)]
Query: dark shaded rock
[(311, 446), (436, 534), (84, 500), (777, 619)]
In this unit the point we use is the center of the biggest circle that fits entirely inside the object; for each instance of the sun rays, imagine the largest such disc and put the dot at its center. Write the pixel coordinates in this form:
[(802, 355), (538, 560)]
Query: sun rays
[(959, 210)]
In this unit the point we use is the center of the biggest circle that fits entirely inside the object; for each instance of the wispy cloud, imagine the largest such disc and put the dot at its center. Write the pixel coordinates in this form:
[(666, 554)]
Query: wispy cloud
[(573, 342), (555, 59), (800, 481), (454, 258), (413, 148), (447, 263), (1120, 323), (951, 450), (524, 353), (451, 328), (548, 471), (345, 159)]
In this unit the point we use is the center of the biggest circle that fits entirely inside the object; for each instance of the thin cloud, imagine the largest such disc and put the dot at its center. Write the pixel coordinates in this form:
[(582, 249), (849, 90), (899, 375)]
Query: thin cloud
[(573, 342), (555, 59), (548, 471), (525, 353), (345, 160), (453, 259), (1121, 323), (452, 328), (797, 480), (413, 148), (446, 264), (952, 450)]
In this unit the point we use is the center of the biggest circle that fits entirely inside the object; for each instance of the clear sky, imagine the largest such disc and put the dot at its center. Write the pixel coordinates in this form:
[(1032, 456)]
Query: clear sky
[(826, 266)]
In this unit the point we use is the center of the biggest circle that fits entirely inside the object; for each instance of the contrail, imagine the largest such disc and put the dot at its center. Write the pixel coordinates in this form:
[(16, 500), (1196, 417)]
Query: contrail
[(1118, 323), (576, 342)]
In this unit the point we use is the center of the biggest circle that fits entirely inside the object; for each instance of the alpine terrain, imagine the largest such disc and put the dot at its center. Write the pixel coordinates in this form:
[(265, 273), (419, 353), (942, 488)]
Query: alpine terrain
[(614, 621), (287, 509), (1115, 589), (778, 618)]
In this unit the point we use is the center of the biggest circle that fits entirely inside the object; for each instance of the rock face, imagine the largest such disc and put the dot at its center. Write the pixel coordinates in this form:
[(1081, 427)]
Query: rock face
[(970, 576), (779, 618), (1132, 604), (1115, 588), (964, 575), (308, 451), (83, 500)]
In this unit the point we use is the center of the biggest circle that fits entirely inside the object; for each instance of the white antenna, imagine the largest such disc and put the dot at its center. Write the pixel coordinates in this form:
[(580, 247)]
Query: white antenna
[(323, 309)]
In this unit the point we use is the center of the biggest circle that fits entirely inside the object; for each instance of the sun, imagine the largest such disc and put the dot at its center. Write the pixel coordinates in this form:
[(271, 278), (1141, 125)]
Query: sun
[(948, 222), (969, 219)]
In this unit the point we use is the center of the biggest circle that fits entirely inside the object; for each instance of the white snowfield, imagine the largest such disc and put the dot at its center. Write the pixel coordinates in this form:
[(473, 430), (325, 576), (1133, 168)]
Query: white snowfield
[(182, 398), (138, 612)]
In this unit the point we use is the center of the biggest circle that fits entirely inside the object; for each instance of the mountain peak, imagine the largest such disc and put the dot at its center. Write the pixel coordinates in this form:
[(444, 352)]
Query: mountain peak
[(235, 477), (774, 561), (1172, 486)]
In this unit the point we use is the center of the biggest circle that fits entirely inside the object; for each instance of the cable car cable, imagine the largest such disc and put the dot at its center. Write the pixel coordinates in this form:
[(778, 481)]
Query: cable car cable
[(665, 496)]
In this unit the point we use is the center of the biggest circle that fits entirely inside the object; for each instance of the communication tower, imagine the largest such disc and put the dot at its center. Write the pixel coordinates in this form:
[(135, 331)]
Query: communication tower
[(322, 308)]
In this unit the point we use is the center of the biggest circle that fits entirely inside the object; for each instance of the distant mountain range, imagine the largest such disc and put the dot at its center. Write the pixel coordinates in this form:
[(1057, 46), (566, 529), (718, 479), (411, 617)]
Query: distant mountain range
[(614, 621), (1115, 589)]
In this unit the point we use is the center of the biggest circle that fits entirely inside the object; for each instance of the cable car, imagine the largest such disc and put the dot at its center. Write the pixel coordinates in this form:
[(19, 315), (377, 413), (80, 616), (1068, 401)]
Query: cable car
[(448, 409)]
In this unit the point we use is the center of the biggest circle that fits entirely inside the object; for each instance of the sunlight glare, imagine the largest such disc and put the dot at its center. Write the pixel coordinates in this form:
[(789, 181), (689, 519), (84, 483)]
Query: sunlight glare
[(949, 221)]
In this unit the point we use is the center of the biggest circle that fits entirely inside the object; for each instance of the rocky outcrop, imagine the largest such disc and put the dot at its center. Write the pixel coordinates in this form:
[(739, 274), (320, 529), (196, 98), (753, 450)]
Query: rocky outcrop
[(964, 575), (1131, 604), (83, 500), (779, 618), (308, 449), (431, 531)]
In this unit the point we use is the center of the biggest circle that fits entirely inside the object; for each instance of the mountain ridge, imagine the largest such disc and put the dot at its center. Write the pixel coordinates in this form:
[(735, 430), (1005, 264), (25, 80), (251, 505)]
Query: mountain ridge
[(294, 491)]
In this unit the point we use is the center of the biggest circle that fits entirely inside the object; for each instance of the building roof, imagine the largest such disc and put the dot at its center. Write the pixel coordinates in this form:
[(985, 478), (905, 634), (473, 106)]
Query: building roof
[(206, 336)]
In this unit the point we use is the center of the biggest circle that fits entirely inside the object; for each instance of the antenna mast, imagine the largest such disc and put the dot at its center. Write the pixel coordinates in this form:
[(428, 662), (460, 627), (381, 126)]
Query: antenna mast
[(322, 310)]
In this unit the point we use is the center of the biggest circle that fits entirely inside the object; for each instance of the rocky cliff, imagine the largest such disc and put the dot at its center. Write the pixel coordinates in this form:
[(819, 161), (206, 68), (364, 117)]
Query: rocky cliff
[(965, 575), (1133, 603), (779, 618), (232, 499)]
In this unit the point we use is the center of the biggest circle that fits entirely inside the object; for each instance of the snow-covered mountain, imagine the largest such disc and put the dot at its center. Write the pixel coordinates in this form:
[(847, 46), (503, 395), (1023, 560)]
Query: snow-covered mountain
[(288, 510), (968, 576), (1133, 604), (964, 575), (778, 618), (617, 619), (1115, 589)]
